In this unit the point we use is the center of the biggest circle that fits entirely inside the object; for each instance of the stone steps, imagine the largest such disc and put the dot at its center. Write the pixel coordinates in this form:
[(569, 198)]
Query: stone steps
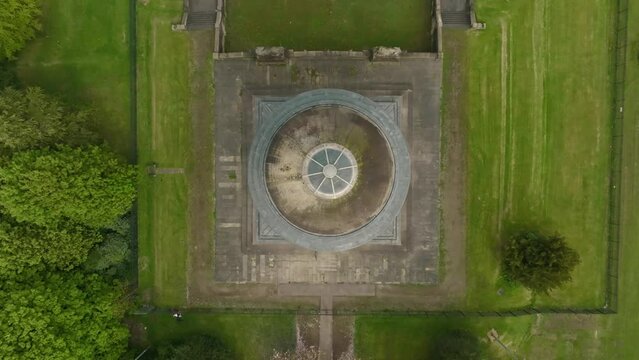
[(460, 19), (327, 263), (201, 21)]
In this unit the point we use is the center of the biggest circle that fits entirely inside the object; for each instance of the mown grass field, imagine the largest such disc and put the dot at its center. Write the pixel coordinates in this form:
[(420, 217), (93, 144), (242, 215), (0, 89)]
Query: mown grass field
[(547, 336), (328, 24), (248, 336), (164, 139), (620, 339), (539, 128), (82, 55), (414, 337)]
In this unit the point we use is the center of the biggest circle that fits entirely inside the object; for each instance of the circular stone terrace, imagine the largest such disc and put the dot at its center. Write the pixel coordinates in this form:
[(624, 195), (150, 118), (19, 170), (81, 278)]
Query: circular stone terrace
[(329, 171)]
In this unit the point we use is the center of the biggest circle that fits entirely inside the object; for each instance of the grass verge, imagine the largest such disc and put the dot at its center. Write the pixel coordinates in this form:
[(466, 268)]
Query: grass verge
[(164, 139), (623, 329), (248, 336)]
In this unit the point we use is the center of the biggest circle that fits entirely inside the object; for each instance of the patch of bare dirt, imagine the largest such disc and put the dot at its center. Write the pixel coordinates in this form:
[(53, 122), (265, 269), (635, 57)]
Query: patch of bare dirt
[(307, 327), (343, 331)]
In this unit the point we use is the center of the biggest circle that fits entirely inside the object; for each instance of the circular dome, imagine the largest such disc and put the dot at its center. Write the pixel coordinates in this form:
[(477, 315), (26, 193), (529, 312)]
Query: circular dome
[(310, 180), (329, 171)]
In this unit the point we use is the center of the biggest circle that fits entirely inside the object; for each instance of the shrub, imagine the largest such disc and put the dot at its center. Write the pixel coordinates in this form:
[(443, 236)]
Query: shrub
[(539, 262)]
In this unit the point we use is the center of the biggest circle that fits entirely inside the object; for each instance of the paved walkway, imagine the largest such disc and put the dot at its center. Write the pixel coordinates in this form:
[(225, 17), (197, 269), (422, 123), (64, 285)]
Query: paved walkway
[(326, 292)]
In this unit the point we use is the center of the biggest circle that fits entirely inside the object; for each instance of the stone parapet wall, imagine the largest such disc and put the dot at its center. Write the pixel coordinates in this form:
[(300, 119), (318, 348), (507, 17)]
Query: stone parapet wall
[(326, 54), (438, 24), (220, 30)]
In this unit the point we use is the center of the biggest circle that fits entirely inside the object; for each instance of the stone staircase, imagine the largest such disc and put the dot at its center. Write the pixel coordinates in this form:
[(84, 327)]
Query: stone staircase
[(201, 21), (456, 19), (327, 263)]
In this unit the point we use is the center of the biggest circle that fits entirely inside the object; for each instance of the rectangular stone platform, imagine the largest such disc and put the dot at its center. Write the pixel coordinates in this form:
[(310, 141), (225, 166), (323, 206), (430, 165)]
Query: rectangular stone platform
[(246, 250)]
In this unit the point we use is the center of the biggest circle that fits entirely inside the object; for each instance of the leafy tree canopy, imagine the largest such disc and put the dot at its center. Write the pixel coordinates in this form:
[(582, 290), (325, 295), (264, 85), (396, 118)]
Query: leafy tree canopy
[(62, 246), (18, 24), (8, 76), (113, 252), (29, 119), (539, 262), (88, 186), (110, 256), (61, 316), (195, 348)]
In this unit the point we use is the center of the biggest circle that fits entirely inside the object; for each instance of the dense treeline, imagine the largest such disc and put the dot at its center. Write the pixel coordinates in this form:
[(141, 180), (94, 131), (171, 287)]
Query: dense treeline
[(64, 238), (64, 226), (62, 315)]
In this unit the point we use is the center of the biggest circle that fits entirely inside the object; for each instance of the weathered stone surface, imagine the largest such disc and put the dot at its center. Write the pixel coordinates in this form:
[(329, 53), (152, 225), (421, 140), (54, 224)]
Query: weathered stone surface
[(365, 229), (244, 88), (270, 54), (386, 53)]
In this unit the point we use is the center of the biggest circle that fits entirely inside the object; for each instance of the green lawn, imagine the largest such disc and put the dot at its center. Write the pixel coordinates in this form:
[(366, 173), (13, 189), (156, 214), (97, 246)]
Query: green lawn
[(82, 55), (545, 336), (163, 138), (248, 336), (408, 338), (328, 24), (620, 341), (539, 127)]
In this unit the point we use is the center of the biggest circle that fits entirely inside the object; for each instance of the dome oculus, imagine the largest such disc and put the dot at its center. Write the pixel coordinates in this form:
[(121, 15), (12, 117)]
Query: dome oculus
[(330, 171)]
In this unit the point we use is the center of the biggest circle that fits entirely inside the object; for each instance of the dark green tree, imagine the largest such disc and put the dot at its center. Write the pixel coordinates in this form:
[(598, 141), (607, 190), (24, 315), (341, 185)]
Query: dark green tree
[(89, 186), (538, 261), (457, 345), (30, 119), (62, 316), (18, 24), (110, 254), (197, 347), (62, 246), (8, 76)]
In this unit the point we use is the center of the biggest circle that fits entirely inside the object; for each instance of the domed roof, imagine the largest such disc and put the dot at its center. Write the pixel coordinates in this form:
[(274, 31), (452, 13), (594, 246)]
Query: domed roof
[(329, 171)]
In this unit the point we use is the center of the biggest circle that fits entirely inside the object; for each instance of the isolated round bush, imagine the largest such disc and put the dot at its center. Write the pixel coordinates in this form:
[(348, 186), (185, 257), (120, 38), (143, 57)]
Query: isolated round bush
[(89, 186), (538, 261)]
